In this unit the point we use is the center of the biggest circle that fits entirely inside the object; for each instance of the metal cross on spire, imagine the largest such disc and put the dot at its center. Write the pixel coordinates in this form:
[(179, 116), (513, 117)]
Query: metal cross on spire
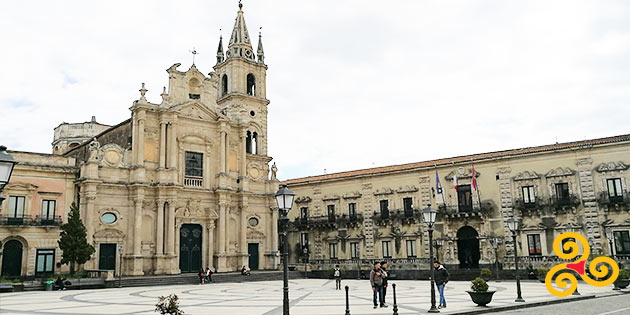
[(194, 53)]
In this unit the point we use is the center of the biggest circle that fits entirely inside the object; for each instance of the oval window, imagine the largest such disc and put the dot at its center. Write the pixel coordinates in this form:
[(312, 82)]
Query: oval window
[(253, 221), (108, 218)]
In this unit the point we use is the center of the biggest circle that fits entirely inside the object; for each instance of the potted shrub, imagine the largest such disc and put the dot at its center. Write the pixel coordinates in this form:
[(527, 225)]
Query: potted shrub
[(623, 280), (486, 274), (480, 294), (542, 273)]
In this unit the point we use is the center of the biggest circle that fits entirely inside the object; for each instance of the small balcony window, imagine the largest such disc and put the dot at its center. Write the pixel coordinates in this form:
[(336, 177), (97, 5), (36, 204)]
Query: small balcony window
[(352, 211), (529, 198), (194, 169), (384, 207), (408, 206), (615, 193), (331, 213), (534, 246), (464, 198), (562, 194), (387, 246)]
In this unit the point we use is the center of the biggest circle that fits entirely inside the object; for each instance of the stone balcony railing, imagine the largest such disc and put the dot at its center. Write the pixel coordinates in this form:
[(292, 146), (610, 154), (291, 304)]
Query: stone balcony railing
[(193, 181), (465, 213), (27, 220)]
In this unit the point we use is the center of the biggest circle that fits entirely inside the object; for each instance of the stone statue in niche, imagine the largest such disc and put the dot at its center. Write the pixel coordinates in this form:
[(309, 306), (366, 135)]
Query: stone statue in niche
[(94, 147), (274, 171)]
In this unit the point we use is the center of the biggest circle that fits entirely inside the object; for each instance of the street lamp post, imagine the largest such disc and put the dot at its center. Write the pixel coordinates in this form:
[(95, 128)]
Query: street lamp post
[(284, 200), (610, 237), (120, 270), (569, 228), (429, 218), (437, 243), (513, 226), (7, 162), (495, 241), (358, 263), (305, 257)]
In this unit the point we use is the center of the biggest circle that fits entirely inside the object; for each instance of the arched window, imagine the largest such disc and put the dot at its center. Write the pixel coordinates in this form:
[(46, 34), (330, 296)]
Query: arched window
[(224, 84), (255, 143), (251, 85), (248, 142), (194, 89)]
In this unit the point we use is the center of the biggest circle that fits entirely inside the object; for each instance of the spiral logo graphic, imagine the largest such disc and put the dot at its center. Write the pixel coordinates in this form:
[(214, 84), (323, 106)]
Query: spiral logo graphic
[(598, 267)]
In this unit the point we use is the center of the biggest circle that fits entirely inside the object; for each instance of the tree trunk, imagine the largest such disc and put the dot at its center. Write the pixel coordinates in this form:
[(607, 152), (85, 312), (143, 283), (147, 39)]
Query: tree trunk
[(72, 267)]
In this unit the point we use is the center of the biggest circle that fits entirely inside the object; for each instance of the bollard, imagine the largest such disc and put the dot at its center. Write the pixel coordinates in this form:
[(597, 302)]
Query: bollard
[(395, 305), (347, 302)]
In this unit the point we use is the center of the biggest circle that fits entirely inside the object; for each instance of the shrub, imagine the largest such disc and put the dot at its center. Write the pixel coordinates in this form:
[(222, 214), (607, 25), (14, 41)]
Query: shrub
[(479, 285), (486, 273), (542, 272), (168, 305), (624, 274)]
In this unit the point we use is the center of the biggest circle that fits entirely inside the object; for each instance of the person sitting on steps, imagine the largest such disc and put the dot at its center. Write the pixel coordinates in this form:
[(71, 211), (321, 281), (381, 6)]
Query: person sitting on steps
[(245, 271)]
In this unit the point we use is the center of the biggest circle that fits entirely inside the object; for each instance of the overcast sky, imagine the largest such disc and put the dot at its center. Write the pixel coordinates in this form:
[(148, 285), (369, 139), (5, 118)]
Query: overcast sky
[(352, 84)]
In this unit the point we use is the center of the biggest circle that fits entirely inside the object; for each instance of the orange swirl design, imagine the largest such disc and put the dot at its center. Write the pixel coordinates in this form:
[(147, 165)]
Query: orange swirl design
[(599, 267)]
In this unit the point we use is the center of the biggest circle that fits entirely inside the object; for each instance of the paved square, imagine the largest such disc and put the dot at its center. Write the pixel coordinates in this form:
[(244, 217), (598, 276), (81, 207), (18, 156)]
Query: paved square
[(308, 296)]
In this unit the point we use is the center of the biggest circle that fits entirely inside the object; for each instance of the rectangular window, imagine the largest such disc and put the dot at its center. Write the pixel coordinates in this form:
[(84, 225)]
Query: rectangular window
[(48, 209), (562, 193), (622, 242), (408, 206), (387, 249), (352, 210), (615, 194), (16, 206), (354, 250), (529, 198), (304, 212), (464, 198), (533, 243), (333, 250), (45, 261), (384, 205), (331, 213), (304, 239), (411, 249), (194, 164)]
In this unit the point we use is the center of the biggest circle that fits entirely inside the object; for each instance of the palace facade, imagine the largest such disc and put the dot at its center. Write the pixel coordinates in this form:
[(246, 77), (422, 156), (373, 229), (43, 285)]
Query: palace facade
[(181, 185), (376, 213)]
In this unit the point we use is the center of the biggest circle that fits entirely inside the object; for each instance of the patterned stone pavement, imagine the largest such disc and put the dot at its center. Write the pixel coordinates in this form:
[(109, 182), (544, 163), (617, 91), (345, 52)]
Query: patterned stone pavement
[(308, 296)]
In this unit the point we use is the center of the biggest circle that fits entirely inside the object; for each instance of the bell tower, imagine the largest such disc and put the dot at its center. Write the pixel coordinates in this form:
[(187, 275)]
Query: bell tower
[(242, 84)]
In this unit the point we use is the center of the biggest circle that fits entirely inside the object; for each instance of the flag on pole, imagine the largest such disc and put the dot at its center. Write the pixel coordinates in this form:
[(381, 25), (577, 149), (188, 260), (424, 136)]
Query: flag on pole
[(455, 179), (438, 186), (474, 179)]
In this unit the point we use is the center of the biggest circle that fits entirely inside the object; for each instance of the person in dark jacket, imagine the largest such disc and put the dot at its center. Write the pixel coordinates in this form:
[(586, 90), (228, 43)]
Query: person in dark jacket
[(376, 280), (385, 278), (441, 278), (337, 276)]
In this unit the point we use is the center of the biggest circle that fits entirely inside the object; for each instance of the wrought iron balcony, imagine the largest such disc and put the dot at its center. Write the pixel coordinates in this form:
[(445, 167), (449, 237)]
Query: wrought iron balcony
[(21, 220), (529, 208), (562, 204), (47, 221), (397, 216), (455, 212), (614, 202)]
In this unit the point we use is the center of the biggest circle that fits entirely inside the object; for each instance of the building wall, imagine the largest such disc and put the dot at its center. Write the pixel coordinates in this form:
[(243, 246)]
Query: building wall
[(500, 176), (38, 177)]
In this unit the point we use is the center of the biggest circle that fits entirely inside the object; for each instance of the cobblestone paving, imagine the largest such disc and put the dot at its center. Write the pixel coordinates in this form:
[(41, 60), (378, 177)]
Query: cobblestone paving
[(309, 296)]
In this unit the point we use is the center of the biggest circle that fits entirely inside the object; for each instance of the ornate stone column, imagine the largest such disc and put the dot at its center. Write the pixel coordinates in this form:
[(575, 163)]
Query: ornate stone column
[(210, 229), (243, 236), (170, 240), (162, 145), (172, 147), (221, 261), (159, 235)]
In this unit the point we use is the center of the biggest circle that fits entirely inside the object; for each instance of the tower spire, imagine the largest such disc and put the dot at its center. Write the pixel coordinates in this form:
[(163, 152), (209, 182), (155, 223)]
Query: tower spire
[(220, 55), (260, 52), (240, 45)]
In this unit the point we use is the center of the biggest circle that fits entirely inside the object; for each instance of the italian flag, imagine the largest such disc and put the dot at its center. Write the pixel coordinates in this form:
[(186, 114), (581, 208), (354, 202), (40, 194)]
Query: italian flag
[(455, 179), (474, 179)]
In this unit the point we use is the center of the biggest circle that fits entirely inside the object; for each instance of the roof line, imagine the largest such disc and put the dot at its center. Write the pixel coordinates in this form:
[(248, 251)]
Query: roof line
[(98, 135), (459, 159)]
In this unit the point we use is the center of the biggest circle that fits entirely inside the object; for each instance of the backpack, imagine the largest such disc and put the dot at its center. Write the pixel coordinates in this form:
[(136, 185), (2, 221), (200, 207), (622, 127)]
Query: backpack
[(337, 273)]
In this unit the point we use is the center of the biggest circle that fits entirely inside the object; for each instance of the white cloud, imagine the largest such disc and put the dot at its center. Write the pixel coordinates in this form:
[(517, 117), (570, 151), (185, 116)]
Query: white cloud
[(352, 84)]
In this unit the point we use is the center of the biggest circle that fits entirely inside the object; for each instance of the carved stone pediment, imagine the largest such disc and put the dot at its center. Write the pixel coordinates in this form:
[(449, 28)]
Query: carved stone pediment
[(462, 173), (611, 167), (559, 172), (303, 199), (526, 175), (196, 110), (20, 186), (352, 195), (330, 198), (407, 189), (383, 191), (109, 234)]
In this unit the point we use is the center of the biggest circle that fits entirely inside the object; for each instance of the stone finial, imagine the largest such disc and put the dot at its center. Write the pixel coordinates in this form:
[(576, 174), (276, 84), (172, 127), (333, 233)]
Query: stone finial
[(164, 96), (143, 92), (260, 52)]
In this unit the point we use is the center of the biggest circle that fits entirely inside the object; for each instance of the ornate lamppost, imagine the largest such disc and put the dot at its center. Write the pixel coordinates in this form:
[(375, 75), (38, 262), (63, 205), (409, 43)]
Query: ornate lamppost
[(284, 200), (569, 228), (513, 226), (495, 241), (121, 250), (438, 243), (305, 259), (7, 162), (429, 215), (610, 237)]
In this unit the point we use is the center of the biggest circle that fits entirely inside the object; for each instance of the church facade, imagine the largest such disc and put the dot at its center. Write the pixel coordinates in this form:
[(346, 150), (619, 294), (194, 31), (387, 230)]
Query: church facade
[(184, 183)]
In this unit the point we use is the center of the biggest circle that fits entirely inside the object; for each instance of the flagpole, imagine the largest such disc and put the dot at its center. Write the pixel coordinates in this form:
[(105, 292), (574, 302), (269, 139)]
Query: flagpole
[(478, 193), (438, 184)]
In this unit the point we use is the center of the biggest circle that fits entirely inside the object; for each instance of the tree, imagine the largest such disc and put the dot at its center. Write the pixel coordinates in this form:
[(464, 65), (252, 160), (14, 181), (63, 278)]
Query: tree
[(73, 240)]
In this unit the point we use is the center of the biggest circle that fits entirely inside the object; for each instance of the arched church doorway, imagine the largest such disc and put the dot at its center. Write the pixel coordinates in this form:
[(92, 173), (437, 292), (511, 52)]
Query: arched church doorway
[(468, 247), (12, 259), (190, 248)]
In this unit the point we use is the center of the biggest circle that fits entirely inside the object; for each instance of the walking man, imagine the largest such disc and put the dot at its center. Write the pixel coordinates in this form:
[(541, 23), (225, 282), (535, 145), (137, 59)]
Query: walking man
[(441, 278), (385, 278), (337, 276), (376, 280)]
